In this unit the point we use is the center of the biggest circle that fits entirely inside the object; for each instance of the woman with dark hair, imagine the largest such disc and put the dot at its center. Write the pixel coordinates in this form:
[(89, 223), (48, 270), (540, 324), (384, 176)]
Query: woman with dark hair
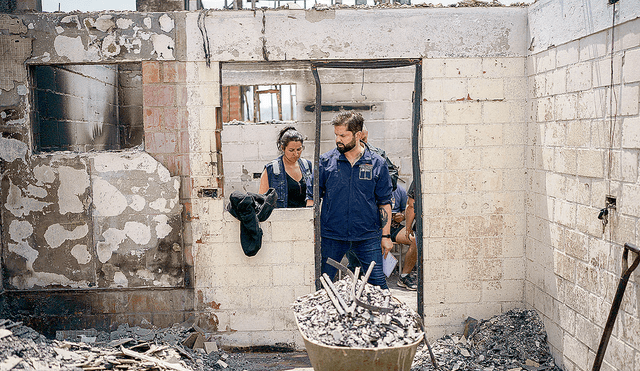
[(289, 174)]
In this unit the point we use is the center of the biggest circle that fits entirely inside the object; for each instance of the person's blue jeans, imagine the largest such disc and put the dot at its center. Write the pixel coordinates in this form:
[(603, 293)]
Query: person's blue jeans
[(366, 251)]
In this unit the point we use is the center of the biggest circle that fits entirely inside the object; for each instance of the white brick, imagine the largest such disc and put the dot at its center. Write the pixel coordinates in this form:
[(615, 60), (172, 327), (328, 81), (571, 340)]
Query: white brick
[(627, 36), (515, 88), (545, 61), (485, 135), (629, 100), (463, 113), (554, 133), (503, 111), (504, 157), (602, 71), (592, 103), (503, 67), (433, 113), (546, 109), (564, 213), (444, 136), (514, 133), (432, 159), (486, 89), (566, 106), (630, 70), (463, 292), (567, 54), (590, 163), (557, 82), (566, 160), (579, 77), (251, 320), (629, 164), (594, 46), (463, 67), (629, 204), (433, 67), (445, 89), (578, 133)]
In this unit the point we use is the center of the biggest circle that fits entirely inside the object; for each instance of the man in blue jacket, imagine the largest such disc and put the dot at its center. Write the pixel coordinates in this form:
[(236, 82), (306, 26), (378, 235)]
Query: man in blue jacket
[(355, 188)]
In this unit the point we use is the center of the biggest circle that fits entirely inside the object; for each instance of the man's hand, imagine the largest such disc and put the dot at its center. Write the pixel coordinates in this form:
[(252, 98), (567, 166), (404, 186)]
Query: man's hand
[(387, 245), (398, 217)]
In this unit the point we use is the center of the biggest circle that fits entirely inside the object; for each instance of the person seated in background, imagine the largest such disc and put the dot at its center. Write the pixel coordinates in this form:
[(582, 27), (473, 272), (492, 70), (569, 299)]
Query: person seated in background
[(289, 174), (399, 234)]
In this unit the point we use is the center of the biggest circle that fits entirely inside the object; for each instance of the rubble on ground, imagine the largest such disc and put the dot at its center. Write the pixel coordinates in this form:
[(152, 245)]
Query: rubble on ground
[(320, 321), (513, 341), (181, 347)]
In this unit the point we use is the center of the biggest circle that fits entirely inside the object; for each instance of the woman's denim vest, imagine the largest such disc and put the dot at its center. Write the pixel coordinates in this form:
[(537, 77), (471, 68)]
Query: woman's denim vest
[(278, 178)]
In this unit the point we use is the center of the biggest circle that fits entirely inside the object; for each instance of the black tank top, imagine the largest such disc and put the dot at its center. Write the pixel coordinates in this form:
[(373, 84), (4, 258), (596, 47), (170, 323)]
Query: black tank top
[(297, 192)]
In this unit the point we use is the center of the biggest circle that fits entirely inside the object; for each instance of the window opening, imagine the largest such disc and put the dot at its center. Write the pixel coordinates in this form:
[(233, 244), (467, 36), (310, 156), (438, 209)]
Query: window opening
[(87, 107), (258, 103)]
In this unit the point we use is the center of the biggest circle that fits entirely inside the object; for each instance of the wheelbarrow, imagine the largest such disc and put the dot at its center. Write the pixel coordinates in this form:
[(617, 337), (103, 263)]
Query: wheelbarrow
[(617, 300), (331, 358)]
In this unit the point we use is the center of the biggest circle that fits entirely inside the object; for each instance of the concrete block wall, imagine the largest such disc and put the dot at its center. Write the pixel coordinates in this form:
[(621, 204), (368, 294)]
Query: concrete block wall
[(582, 146), (473, 186), (247, 299)]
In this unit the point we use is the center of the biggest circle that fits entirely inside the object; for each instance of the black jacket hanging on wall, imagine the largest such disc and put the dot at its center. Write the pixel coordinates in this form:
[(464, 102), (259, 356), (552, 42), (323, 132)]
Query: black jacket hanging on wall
[(250, 209)]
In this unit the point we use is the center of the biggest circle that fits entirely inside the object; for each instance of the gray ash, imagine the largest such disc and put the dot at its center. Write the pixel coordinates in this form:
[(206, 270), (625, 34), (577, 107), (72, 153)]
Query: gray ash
[(515, 340), (320, 321)]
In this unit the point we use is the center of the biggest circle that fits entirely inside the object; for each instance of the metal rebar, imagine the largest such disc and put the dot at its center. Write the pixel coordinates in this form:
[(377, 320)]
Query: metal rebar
[(335, 291)]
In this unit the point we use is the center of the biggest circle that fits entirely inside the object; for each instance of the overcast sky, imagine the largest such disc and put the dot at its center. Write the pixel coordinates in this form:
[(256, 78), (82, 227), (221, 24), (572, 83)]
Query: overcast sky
[(99, 5)]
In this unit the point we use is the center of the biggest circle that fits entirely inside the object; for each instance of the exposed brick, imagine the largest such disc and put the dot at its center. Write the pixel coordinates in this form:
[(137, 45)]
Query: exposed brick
[(159, 95), (150, 72), (169, 71), (152, 118), (170, 118)]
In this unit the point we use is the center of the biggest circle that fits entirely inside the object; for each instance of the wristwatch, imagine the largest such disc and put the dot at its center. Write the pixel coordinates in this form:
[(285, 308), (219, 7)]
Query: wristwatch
[(386, 236)]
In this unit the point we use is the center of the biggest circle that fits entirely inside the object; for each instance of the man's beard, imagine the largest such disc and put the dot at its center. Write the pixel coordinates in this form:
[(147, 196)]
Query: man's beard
[(347, 147)]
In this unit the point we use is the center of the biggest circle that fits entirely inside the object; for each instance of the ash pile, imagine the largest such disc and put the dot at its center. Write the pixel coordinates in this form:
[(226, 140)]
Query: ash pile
[(182, 347), (353, 313), (513, 341)]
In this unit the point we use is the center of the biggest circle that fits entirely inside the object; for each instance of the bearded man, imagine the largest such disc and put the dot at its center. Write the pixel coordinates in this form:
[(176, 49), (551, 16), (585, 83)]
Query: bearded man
[(355, 188)]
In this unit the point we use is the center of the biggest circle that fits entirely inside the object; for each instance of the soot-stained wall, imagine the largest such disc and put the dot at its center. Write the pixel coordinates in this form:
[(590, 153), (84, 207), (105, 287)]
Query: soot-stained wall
[(100, 220)]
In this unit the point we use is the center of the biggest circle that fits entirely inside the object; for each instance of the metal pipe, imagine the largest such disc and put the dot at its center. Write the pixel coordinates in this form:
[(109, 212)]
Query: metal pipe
[(415, 160), (316, 180)]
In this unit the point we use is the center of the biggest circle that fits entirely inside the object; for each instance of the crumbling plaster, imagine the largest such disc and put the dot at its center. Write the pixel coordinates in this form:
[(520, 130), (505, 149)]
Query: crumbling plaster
[(95, 220)]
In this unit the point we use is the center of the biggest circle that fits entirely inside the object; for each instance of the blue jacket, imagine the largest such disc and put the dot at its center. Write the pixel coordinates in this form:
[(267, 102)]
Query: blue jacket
[(278, 178), (351, 195)]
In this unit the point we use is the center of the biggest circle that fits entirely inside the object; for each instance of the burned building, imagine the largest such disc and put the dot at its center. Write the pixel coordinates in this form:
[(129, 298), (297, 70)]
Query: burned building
[(119, 146)]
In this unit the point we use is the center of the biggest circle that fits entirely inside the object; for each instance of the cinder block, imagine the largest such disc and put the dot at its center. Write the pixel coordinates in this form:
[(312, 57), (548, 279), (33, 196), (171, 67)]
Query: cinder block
[(516, 89), (567, 319), (486, 89), (445, 89), (447, 226), (578, 133), (486, 180), (566, 106), (433, 67), (566, 160), (288, 275), (590, 163), (602, 71), (504, 157), (576, 298), (601, 136), (630, 94), (629, 164), (503, 112), (579, 77), (514, 134), (503, 67), (484, 135), (568, 53), (554, 133), (545, 109), (433, 113), (463, 292), (251, 320), (627, 36), (619, 355), (444, 136), (594, 46), (463, 67), (630, 71), (463, 113), (564, 266), (630, 330), (586, 223), (545, 61), (556, 82), (198, 72), (292, 231), (432, 159), (564, 213)]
